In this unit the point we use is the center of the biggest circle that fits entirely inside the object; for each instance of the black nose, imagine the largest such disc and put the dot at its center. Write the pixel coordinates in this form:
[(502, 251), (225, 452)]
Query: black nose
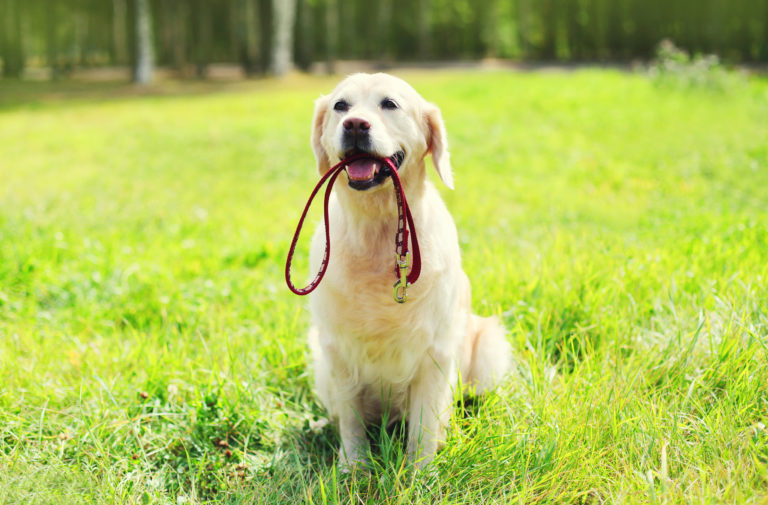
[(356, 125), (356, 134)]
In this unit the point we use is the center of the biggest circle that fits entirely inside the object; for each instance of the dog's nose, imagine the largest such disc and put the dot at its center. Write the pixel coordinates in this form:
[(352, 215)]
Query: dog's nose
[(356, 125)]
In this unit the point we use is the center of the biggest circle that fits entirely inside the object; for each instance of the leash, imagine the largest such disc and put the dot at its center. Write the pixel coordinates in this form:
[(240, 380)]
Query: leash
[(405, 227)]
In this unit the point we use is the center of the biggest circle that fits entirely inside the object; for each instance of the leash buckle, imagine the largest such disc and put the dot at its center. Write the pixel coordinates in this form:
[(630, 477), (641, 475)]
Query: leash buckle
[(399, 289)]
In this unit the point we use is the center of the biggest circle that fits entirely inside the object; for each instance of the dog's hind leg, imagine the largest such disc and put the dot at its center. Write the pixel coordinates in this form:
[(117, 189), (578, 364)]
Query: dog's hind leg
[(429, 406), (490, 354)]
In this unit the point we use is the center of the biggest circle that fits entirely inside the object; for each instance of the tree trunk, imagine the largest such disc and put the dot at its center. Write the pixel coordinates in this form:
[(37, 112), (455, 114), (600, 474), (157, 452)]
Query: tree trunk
[(179, 37), (304, 34), (203, 36), (425, 29), (51, 41), (488, 25), (145, 54), (548, 50), (384, 31), (11, 39), (81, 32), (119, 35), (247, 28), (523, 13), (331, 35), (283, 16)]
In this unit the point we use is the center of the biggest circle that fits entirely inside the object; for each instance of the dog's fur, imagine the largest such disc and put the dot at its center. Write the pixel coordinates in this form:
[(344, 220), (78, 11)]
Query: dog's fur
[(373, 356)]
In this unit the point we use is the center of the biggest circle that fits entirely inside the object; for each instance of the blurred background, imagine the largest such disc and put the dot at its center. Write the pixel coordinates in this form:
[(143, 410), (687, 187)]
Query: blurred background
[(139, 39)]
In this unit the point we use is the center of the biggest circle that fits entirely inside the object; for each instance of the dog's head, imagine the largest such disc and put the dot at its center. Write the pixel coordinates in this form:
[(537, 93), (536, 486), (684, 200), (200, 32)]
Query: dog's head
[(383, 116)]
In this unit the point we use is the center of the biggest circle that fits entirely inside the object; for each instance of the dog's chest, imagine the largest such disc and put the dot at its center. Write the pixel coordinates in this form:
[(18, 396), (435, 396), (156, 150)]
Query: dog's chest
[(381, 335), (385, 340)]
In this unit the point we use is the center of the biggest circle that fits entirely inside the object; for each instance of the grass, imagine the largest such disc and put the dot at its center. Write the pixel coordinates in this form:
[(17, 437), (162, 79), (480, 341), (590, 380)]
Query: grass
[(150, 353)]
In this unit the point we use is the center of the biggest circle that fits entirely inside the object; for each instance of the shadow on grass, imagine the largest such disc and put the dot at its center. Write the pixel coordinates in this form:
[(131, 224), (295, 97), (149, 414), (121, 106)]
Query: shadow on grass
[(306, 466)]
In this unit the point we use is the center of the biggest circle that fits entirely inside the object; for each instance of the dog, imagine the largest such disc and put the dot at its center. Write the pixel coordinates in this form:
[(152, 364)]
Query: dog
[(374, 357)]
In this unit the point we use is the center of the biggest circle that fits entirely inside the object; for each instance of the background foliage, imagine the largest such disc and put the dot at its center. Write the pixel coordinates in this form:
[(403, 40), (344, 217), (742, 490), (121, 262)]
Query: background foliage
[(189, 35)]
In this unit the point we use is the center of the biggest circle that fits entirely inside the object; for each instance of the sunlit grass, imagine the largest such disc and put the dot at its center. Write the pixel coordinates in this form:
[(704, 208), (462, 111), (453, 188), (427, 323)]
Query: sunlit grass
[(149, 351)]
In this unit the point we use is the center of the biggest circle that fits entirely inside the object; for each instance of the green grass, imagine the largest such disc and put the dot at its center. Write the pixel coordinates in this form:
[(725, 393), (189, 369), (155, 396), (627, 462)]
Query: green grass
[(150, 353)]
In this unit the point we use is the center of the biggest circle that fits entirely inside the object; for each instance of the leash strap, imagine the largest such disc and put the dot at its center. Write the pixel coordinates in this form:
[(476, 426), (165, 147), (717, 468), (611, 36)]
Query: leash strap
[(404, 224), (402, 257)]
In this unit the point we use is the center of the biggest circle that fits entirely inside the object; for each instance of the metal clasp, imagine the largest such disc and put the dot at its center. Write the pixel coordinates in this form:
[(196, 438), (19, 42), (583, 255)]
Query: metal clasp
[(400, 286)]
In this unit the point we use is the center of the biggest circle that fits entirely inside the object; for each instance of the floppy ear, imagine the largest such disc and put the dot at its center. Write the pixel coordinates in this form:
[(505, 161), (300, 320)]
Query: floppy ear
[(437, 144), (323, 163)]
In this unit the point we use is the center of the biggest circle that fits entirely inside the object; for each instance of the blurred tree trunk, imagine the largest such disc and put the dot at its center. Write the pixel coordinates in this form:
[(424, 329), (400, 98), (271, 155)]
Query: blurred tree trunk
[(425, 29), (600, 28), (346, 39), (763, 42), (119, 35), (165, 30), (81, 33), (383, 35), (11, 39), (202, 35), (247, 29), (179, 36), (304, 35), (523, 12), (488, 27), (549, 22), (283, 16), (574, 30), (331, 35), (51, 41), (145, 54)]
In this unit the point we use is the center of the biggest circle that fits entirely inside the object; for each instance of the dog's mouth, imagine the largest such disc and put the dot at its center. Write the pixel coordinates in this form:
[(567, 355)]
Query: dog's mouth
[(364, 172)]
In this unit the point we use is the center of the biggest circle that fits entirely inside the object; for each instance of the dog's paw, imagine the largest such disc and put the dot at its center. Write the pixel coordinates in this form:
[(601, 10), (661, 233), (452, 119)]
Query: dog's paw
[(350, 465)]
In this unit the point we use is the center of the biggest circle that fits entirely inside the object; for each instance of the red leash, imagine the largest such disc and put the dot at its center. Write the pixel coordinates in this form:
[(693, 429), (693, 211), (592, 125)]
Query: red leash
[(404, 224)]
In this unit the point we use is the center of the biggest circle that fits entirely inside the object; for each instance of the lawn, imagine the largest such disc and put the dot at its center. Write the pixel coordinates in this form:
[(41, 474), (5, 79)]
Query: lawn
[(151, 353)]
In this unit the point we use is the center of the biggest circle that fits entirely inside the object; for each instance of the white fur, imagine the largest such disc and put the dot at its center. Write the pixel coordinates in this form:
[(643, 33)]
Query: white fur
[(372, 355)]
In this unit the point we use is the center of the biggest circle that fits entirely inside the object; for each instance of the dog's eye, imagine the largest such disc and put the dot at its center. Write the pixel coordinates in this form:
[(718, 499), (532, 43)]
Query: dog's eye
[(341, 106), (388, 104)]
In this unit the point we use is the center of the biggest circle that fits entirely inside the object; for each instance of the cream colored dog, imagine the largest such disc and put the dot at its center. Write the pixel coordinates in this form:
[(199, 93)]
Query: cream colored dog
[(374, 356)]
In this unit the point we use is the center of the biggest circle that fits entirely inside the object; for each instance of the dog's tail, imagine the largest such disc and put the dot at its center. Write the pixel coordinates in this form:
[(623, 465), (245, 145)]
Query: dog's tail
[(491, 354)]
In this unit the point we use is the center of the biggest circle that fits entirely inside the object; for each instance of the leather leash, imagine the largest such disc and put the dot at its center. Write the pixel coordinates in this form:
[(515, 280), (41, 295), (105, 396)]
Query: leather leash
[(405, 227)]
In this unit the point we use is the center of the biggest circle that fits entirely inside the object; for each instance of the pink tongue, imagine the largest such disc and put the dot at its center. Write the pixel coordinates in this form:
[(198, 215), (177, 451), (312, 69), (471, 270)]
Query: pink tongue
[(362, 169)]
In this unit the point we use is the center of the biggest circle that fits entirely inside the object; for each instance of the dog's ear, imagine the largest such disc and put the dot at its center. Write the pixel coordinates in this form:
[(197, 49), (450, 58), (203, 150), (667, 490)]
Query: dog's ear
[(323, 163), (437, 144)]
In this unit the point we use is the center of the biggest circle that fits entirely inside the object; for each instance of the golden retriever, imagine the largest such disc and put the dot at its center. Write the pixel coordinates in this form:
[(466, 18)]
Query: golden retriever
[(372, 356)]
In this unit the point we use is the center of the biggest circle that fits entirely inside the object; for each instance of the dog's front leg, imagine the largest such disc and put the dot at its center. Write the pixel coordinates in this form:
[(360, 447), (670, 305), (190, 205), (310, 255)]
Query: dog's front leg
[(354, 444), (429, 407), (337, 388)]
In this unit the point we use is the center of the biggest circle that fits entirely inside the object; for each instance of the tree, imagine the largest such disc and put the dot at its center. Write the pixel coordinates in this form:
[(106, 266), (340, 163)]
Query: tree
[(51, 41), (11, 39), (119, 36), (176, 21), (304, 34), (202, 35), (331, 35), (283, 13), (424, 28), (384, 32), (247, 29), (145, 53)]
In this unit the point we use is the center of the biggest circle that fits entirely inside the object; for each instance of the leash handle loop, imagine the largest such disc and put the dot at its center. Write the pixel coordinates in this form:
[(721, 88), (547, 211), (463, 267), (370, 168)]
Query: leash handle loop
[(330, 176)]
